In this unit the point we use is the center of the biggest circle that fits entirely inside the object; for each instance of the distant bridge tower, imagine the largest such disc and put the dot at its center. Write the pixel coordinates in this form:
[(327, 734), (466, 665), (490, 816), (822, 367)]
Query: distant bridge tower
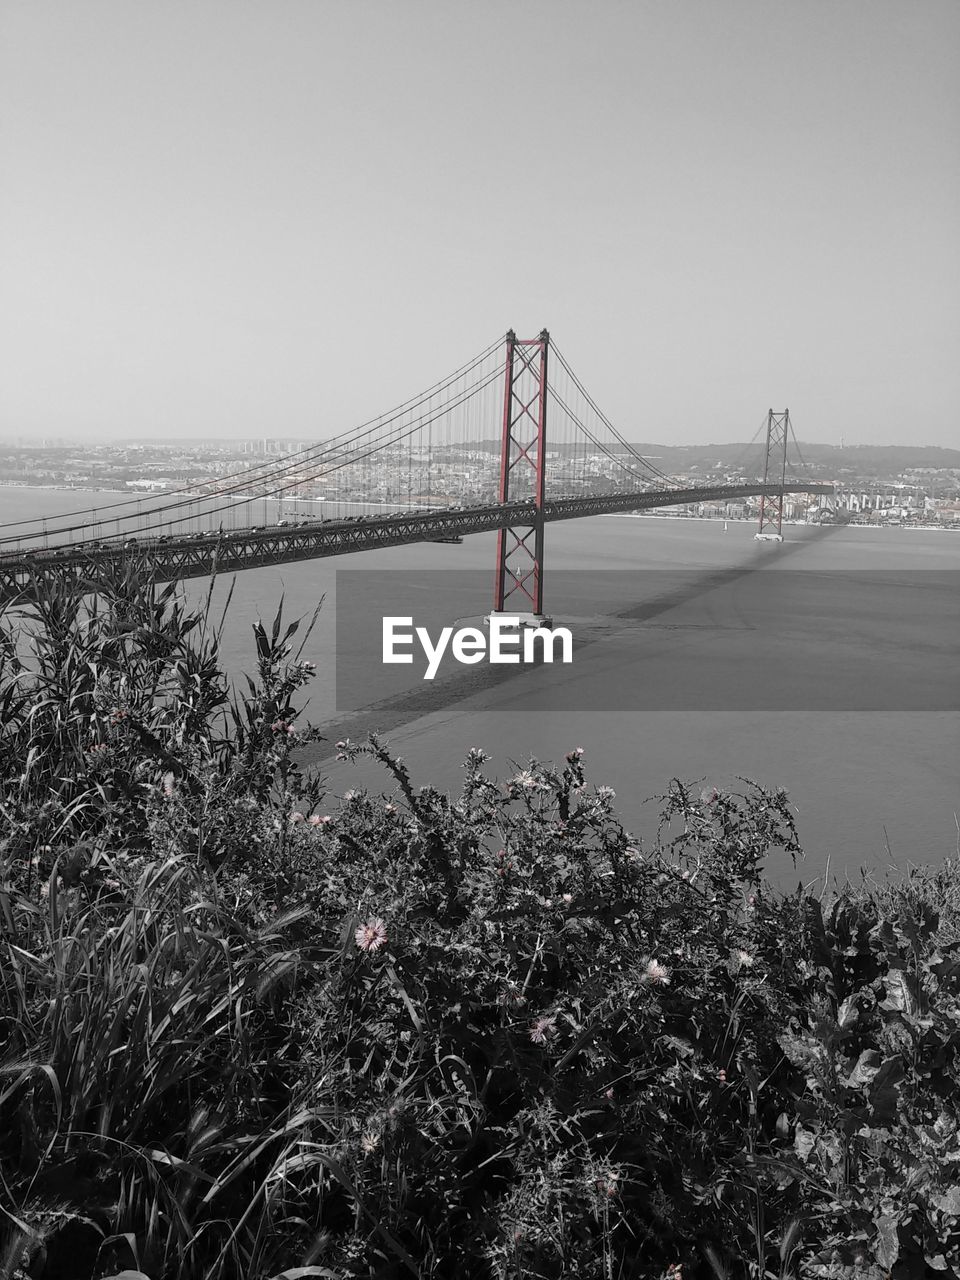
[(523, 460), (774, 474)]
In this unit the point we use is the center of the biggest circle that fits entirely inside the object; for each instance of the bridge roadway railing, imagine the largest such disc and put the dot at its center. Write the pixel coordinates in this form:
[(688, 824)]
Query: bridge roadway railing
[(195, 555)]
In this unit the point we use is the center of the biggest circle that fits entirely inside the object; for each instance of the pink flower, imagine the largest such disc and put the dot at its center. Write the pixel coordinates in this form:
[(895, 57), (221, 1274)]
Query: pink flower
[(542, 1029), (708, 795), (168, 786), (372, 935), (657, 973), (297, 816)]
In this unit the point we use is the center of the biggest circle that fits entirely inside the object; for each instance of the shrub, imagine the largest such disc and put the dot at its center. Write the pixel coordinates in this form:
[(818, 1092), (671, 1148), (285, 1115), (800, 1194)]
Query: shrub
[(249, 1031)]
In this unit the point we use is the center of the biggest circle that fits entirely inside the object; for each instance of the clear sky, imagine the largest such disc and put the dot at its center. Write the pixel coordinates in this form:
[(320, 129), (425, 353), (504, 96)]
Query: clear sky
[(281, 217)]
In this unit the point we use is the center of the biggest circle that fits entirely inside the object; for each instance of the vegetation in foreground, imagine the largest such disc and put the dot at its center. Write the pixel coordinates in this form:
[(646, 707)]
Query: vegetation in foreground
[(249, 1032)]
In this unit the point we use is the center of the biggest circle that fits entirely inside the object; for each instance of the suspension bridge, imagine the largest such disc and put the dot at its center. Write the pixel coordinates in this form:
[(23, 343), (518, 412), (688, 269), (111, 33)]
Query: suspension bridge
[(511, 441)]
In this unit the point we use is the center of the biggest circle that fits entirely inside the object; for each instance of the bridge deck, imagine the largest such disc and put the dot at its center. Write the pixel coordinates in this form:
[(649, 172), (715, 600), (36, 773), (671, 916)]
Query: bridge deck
[(194, 555)]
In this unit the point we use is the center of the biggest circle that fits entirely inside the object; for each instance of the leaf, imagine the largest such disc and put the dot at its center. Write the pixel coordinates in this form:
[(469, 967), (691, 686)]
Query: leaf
[(848, 1013), (402, 991), (887, 1248), (899, 998), (719, 1270), (790, 1238), (683, 1047), (867, 1069), (295, 1273), (803, 1142), (802, 1050), (884, 1094), (163, 1157), (949, 1202)]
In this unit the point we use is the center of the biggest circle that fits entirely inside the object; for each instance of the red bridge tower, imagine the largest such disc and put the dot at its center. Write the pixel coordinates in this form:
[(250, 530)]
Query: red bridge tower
[(523, 460)]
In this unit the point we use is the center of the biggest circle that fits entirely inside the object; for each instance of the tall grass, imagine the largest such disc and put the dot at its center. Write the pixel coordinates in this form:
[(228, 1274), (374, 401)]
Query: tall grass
[(250, 1031)]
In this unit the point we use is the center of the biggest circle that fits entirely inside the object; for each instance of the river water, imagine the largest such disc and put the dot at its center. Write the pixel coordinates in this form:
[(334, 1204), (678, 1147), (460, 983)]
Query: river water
[(860, 724)]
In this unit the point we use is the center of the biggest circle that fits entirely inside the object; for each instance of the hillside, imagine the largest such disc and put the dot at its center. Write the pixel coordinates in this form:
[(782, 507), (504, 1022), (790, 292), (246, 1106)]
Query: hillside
[(861, 460)]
